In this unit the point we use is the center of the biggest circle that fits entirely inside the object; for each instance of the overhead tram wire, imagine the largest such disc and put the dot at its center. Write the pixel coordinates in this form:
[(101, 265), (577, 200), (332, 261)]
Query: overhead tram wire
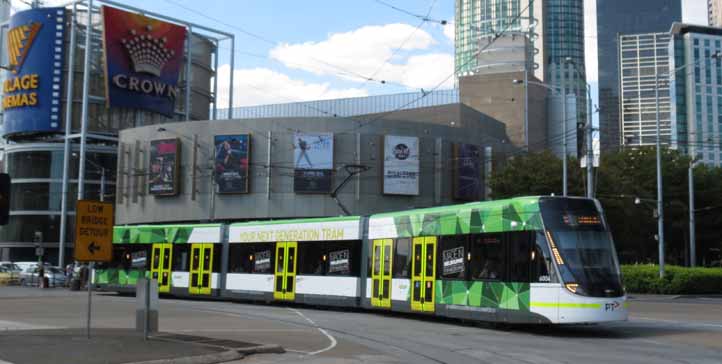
[(423, 18), (261, 38)]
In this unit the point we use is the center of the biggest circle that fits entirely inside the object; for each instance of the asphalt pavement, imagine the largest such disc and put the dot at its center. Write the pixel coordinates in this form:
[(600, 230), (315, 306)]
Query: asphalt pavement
[(662, 329)]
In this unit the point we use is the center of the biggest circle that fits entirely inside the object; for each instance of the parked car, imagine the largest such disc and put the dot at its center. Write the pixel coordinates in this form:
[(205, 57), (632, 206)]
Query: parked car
[(7, 276), (30, 276)]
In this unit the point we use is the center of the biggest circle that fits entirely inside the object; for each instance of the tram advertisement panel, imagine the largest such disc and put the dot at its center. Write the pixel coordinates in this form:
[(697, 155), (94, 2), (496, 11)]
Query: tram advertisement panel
[(232, 157), (338, 262), (401, 165), (33, 85), (143, 57), (467, 172), (164, 158), (313, 166)]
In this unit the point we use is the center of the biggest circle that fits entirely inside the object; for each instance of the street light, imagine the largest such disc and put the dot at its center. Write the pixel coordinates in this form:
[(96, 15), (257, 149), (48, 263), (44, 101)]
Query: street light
[(660, 218), (590, 151), (692, 238), (562, 95)]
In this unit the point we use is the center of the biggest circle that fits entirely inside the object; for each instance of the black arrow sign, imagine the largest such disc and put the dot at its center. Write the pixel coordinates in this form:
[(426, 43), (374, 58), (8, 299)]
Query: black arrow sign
[(92, 248)]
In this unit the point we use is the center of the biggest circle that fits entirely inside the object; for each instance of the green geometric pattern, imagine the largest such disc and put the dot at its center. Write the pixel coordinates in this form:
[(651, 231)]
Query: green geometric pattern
[(118, 277), (517, 214), (504, 295), (151, 234)]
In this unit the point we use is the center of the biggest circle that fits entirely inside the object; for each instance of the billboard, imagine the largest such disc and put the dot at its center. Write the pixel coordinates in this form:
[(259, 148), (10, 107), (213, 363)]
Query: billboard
[(313, 166), (401, 165), (467, 172), (231, 167), (32, 89), (164, 163), (143, 57)]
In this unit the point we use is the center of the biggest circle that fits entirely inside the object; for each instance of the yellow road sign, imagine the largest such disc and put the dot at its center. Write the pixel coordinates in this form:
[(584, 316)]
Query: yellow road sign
[(93, 231)]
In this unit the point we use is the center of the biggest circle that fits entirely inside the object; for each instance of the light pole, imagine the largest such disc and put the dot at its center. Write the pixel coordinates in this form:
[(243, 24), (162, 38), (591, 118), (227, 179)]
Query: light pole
[(102, 177), (660, 197), (692, 238), (589, 129), (562, 95)]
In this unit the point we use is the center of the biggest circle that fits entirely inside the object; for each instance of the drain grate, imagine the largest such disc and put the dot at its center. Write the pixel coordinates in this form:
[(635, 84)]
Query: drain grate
[(202, 340)]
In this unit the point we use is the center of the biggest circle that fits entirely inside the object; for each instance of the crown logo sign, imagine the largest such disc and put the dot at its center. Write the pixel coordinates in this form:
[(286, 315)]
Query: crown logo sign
[(148, 53), (20, 39)]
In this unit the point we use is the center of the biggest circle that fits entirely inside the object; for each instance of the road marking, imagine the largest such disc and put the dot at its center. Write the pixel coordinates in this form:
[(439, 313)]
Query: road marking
[(5, 362), (15, 325), (330, 338), (235, 330)]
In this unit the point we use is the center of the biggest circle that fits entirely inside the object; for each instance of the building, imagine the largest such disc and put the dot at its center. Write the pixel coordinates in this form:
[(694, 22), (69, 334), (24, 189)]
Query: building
[(696, 89), (714, 13), (615, 18), (641, 56), (45, 120), (288, 167), (555, 31)]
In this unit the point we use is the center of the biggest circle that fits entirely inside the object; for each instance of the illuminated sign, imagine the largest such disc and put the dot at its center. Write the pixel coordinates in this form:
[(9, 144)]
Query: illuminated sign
[(582, 220), (143, 57), (33, 86)]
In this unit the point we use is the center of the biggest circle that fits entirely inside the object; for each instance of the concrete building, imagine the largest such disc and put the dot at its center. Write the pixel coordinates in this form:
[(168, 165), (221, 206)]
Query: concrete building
[(271, 189), (622, 17), (714, 13), (641, 56), (696, 91)]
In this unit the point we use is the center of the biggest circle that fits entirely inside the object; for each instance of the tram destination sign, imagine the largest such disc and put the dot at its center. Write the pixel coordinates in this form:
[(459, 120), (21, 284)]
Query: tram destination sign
[(93, 231)]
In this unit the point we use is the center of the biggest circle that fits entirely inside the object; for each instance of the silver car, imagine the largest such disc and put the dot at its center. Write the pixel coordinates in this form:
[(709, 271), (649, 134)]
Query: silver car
[(55, 276)]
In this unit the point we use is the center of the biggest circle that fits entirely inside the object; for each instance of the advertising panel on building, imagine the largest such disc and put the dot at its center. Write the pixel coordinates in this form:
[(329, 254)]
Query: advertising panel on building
[(401, 165), (33, 87), (143, 58), (164, 161), (231, 168), (313, 156), (467, 172)]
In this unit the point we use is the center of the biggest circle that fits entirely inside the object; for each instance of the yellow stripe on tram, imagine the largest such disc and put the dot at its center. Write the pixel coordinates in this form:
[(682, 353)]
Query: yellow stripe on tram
[(566, 305)]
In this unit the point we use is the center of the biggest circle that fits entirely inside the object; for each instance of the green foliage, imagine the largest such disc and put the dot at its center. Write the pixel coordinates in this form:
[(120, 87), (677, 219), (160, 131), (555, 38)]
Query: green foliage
[(621, 177), (644, 278)]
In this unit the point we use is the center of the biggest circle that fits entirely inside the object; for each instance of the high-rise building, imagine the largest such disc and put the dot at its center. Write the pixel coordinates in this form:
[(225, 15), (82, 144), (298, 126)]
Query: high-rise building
[(556, 32), (615, 17), (696, 89), (714, 13), (639, 56)]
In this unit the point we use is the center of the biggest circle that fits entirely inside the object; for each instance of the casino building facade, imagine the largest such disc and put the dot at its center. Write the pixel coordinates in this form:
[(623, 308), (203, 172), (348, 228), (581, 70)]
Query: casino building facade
[(135, 74)]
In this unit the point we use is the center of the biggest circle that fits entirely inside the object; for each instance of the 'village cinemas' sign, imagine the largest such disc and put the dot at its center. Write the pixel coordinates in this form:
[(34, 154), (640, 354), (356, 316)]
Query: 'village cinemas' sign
[(143, 60)]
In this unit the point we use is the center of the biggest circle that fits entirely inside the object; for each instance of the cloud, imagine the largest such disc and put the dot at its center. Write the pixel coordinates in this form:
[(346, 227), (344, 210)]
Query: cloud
[(257, 86), (360, 54), (449, 30)]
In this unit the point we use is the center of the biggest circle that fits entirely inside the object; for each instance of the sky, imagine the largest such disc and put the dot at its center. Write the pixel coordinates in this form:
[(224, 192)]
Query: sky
[(290, 50)]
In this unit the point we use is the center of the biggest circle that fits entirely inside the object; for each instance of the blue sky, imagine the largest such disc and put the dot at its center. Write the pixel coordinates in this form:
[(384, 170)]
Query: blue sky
[(318, 49)]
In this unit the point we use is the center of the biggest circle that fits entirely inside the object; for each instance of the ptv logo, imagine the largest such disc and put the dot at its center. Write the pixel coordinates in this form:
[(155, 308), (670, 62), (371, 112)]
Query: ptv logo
[(612, 306)]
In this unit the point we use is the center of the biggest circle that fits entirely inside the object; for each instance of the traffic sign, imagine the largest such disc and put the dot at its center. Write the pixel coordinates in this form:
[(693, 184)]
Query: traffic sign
[(93, 231)]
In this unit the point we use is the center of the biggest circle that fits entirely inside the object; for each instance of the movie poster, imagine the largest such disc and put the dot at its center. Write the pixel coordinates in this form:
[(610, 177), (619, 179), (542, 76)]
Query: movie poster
[(164, 161), (231, 166), (467, 172), (313, 162), (401, 165)]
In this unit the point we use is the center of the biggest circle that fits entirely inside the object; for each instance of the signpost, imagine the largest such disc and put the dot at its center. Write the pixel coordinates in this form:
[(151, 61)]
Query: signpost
[(93, 238)]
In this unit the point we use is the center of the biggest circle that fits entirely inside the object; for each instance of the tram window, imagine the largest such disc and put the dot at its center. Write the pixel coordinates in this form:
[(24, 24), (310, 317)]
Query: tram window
[(342, 258), (520, 244), (487, 257), (369, 258), (541, 262), (216, 263), (251, 258), (312, 258), (402, 258), (180, 257), (452, 261)]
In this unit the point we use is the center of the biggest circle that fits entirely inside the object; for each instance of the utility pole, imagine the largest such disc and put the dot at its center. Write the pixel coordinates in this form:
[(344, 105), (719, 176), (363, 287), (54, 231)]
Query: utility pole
[(590, 148), (692, 233), (660, 197)]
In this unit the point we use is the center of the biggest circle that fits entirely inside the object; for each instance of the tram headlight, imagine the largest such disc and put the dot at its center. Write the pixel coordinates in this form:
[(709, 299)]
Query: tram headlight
[(575, 288)]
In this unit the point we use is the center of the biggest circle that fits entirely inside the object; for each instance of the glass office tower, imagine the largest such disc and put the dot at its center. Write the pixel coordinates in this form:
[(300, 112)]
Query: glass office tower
[(614, 18)]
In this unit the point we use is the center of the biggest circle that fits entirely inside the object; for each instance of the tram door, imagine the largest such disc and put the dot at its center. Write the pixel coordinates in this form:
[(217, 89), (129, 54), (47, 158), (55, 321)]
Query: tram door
[(201, 269), (160, 265), (284, 285), (381, 273), (423, 274)]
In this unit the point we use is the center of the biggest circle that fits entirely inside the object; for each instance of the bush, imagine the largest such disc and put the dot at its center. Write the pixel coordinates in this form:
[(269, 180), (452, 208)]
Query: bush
[(677, 280)]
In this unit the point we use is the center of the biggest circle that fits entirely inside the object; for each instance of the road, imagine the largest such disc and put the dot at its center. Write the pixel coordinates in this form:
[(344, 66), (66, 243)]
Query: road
[(660, 330)]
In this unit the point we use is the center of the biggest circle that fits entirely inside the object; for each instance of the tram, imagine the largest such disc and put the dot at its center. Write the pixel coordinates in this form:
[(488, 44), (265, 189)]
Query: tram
[(521, 260)]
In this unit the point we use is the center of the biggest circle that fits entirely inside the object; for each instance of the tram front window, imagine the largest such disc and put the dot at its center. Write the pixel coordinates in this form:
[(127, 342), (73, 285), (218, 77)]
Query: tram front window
[(586, 257)]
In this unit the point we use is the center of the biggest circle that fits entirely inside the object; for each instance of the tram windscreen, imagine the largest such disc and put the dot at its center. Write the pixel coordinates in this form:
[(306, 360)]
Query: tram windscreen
[(586, 251)]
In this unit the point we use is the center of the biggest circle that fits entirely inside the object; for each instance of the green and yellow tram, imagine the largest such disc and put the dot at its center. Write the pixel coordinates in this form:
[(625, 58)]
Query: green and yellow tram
[(521, 260)]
